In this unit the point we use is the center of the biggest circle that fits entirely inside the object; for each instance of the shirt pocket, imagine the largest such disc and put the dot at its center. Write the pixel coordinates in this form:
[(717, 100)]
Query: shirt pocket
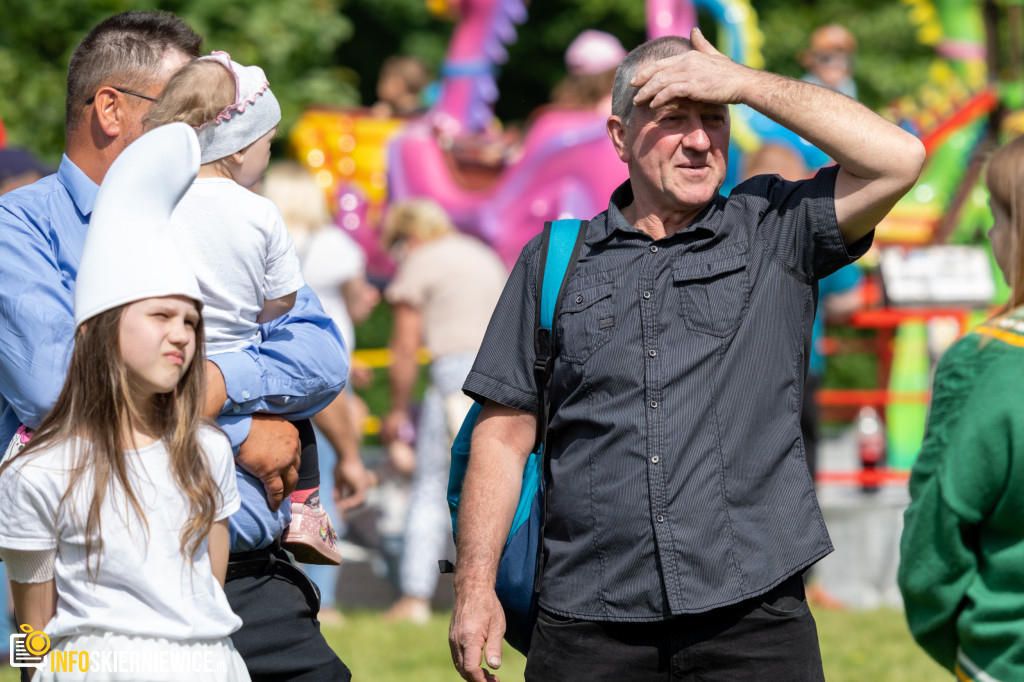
[(712, 290), (585, 321)]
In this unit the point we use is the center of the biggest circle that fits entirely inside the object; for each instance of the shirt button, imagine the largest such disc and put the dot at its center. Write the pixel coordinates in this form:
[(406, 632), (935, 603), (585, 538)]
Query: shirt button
[(653, 353), (660, 518), (655, 459), (236, 409), (647, 294), (579, 299), (654, 404), (654, 249), (245, 395)]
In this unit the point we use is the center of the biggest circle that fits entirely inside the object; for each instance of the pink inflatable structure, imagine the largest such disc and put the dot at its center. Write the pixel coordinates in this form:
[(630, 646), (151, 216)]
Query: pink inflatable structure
[(566, 165)]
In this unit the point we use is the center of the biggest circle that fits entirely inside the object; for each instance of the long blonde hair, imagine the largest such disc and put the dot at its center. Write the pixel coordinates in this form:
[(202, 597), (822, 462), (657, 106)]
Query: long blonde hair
[(1005, 180), (95, 412)]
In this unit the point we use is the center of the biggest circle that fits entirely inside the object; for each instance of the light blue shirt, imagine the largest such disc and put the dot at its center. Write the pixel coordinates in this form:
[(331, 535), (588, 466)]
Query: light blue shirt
[(298, 368)]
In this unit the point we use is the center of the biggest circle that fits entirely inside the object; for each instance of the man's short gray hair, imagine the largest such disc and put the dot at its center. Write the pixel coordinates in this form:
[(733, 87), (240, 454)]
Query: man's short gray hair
[(651, 51), (125, 51)]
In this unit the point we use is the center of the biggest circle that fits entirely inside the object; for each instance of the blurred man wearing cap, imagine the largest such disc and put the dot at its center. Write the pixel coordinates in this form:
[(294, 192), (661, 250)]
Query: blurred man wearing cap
[(115, 74), (829, 59)]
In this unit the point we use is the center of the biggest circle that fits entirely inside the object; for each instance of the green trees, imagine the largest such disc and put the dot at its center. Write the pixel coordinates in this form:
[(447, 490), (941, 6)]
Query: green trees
[(294, 42), (329, 51)]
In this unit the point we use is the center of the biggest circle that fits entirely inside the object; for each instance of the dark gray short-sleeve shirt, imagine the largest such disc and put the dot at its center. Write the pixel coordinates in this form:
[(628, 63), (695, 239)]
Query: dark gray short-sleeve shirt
[(677, 482)]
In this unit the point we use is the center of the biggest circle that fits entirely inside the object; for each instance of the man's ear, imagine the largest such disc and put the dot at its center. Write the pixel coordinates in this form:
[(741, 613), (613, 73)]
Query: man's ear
[(617, 134), (109, 111)]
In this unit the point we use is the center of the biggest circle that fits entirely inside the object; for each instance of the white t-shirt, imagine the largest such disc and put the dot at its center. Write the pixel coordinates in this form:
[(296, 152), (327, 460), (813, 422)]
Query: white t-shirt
[(144, 586), (237, 245), (330, 258)]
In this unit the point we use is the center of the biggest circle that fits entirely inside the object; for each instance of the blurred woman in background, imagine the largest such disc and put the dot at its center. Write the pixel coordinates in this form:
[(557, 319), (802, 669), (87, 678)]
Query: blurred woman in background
[(442, 295), (333, 267)]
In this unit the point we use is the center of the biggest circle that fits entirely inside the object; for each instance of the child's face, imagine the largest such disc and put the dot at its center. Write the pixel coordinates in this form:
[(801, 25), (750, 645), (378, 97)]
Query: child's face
[(255, 159), (158, 342)]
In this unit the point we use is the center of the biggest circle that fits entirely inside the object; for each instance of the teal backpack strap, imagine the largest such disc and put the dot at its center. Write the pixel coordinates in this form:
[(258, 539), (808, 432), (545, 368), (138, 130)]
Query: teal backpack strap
[(560, 245), (561, 241)]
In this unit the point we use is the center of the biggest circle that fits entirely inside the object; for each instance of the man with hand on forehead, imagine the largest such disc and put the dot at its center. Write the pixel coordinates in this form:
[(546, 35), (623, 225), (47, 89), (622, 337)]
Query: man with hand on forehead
[(680, 511)]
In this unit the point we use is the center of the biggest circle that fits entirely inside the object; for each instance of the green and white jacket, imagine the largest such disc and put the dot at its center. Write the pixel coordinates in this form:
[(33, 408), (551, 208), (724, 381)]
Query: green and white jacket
[(962, 551)]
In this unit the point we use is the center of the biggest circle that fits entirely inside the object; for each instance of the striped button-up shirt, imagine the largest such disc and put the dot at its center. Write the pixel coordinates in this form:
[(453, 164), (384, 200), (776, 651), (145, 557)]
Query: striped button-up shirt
[(677, 478)]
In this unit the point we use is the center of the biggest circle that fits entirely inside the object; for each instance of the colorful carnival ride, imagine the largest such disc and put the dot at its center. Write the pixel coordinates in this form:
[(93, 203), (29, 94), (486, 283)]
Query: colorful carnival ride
[(565, 166)]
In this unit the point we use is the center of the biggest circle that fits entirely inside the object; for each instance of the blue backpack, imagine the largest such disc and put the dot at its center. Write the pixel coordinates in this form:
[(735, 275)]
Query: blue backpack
[(519, 571)]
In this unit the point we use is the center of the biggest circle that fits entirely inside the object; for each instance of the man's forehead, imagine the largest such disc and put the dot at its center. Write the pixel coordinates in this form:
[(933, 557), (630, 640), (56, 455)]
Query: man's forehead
[(682, 105), (685, 103)]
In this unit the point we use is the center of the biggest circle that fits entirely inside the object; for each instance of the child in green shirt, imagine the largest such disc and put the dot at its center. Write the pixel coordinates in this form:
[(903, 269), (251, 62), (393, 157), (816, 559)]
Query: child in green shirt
[(962, 551)]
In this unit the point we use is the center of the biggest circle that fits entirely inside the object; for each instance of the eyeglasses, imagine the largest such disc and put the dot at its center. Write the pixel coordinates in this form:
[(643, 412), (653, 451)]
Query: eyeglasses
[(838, 59), (126, 92)]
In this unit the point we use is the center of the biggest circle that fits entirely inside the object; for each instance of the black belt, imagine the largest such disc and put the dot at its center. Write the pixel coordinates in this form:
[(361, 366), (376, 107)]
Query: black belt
[(273, 561), (255, 562)]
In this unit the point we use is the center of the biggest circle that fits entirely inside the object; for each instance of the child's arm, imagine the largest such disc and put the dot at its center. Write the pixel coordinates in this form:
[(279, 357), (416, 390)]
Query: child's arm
[(274, 308), (218, 545), (35, 603)]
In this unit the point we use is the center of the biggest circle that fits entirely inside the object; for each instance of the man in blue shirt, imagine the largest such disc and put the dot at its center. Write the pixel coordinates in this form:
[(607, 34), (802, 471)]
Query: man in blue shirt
[(115, 74)]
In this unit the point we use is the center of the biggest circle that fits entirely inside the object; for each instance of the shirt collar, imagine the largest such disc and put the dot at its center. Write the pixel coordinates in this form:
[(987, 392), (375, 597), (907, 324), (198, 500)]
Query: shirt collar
[(708, 220), (80, 187)]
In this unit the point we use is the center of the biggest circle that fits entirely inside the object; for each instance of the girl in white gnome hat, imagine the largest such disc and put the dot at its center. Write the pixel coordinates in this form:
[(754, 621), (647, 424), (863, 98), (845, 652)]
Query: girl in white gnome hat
[(113, 519), (238, 245)]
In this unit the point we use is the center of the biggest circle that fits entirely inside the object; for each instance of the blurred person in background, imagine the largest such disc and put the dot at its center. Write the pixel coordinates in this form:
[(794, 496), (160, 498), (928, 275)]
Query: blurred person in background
[(18, 168), (442, 296), (591, 60), (962, 551), (400, 86), (829, 58), (839, 296), (333, 266)]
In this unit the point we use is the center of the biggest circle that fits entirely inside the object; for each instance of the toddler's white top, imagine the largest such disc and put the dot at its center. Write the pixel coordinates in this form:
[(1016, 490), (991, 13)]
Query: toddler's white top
[(236, 243), (145, 585)]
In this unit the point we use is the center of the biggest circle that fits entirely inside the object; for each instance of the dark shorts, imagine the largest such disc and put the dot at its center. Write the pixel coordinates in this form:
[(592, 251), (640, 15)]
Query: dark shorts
[(768, 638), (280, 636)]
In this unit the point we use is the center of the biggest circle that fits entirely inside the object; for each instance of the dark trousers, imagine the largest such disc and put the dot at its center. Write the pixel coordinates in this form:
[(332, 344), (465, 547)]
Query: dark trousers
[(280, 637), (768, 638)]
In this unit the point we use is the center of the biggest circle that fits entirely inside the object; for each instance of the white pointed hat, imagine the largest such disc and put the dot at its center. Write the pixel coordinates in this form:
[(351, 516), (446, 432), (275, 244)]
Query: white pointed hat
[(129, 252)]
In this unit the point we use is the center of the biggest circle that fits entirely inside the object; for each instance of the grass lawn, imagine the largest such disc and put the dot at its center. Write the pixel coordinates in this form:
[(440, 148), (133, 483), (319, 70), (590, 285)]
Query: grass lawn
[(855, 646)]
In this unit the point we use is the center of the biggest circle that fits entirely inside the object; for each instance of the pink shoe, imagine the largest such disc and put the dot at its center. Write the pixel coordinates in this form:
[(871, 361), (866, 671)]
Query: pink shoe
[(310, 536)]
